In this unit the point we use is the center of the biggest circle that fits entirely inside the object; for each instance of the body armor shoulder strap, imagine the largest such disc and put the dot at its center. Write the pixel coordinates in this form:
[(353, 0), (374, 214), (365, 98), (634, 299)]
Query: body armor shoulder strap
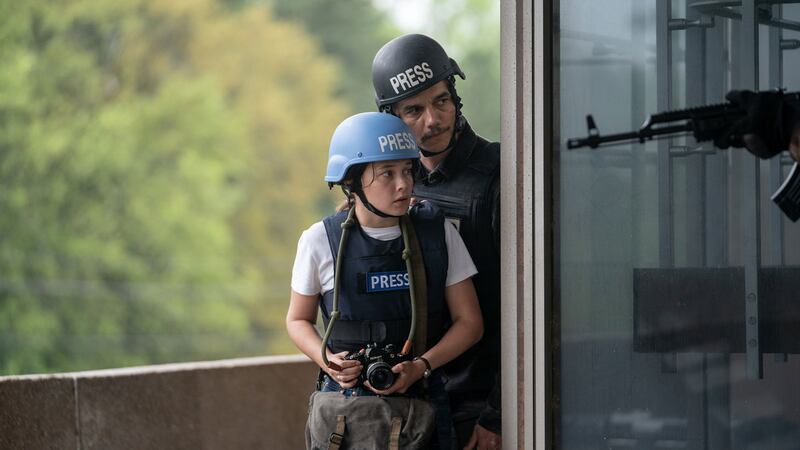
[(333, 228)]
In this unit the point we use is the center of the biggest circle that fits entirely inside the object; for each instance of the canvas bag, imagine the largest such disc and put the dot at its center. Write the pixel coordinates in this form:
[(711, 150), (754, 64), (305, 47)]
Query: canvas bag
[(336, 422)]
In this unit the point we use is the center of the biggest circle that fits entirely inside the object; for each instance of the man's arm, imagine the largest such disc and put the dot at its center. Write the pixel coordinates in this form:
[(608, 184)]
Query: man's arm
[(494, 192), (487, 432), (490, 417)]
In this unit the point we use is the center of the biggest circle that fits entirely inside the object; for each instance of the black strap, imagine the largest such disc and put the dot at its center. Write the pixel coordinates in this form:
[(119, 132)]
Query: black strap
[(369, 331), (320, 379)]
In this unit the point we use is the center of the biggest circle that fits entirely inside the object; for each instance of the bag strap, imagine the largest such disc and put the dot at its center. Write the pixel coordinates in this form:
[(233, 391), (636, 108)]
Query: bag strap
[(394, 436), (337, 437), (420, 285), (320, 379)]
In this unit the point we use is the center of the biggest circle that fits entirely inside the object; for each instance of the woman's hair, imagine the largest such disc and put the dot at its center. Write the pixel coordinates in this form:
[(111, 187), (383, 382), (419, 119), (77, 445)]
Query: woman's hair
[(350, 184), (344, 205)]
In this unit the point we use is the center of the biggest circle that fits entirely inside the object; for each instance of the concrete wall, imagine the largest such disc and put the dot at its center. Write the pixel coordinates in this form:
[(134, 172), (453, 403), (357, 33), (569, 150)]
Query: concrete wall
[(252, 403)]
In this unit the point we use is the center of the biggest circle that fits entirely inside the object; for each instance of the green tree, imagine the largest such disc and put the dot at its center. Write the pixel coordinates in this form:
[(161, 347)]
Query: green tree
[(351, 31), (108, 199), (152, 196)]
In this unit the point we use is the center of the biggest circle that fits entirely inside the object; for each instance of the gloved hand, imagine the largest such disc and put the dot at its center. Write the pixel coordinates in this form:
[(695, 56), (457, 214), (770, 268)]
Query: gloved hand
[(767, 127)]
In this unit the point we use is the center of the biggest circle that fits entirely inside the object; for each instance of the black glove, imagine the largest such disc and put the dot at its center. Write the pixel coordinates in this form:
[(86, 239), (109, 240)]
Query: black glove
[(767, 127)]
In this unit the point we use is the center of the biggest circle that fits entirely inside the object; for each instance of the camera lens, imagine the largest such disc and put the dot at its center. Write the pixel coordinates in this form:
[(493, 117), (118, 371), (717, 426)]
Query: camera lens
[(380, 375)]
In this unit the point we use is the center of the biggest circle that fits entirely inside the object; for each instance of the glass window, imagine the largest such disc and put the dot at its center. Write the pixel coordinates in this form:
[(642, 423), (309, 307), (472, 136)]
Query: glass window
[(677, 278)]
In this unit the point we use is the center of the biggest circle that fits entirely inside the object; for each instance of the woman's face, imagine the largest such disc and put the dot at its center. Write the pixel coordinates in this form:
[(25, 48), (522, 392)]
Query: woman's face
[(388, 184)]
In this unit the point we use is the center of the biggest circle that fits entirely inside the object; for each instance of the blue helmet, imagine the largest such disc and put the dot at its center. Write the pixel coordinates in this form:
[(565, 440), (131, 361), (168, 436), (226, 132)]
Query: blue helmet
[(365, 138)]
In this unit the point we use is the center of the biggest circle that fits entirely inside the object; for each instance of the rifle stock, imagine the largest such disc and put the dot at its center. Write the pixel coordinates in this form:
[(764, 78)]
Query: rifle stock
[(705, 123), (787, 197)]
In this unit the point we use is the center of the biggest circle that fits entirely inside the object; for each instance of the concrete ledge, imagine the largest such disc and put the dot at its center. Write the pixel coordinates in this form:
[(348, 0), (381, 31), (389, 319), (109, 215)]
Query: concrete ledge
[(249, 403), (38, 414)]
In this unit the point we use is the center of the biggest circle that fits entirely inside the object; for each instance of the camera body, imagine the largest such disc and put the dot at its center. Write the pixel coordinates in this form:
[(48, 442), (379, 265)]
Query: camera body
[(377, 363)]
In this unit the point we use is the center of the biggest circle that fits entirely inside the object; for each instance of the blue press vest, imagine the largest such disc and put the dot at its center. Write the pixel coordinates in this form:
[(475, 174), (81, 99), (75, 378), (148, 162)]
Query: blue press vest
[(374, 303)]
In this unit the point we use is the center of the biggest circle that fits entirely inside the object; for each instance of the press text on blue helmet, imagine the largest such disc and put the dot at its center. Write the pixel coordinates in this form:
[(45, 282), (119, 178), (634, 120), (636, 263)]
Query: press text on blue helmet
[(397, 141)]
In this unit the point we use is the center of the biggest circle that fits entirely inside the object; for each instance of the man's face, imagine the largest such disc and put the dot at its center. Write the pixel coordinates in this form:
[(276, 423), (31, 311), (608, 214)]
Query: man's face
[(431, 115)]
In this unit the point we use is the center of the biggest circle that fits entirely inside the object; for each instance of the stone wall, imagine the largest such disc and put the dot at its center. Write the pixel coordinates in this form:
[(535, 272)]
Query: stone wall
[(251, 403)]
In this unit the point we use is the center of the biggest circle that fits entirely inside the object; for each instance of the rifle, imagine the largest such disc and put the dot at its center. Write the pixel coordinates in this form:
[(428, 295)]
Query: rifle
[(705, 123)]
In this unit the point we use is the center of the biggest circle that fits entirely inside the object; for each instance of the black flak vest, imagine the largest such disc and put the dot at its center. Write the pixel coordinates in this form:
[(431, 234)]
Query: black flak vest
[(463, 190)]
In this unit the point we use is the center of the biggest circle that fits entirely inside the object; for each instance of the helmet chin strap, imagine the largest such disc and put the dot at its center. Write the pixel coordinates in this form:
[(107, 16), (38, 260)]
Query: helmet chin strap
[(428, 153), (370, 207)]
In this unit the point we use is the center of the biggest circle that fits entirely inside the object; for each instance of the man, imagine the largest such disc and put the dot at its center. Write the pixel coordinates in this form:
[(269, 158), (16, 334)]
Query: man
[(414, 79), (771, 125)]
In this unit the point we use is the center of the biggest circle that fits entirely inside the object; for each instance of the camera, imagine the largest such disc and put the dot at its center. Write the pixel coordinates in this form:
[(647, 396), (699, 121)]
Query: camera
[(377, 363)]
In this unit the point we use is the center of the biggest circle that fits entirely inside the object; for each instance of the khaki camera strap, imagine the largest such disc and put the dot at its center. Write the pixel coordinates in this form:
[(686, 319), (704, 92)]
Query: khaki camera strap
[(419, 289)]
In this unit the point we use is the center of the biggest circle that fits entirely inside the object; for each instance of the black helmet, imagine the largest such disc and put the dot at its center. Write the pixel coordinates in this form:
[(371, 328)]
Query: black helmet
[(407, 65)]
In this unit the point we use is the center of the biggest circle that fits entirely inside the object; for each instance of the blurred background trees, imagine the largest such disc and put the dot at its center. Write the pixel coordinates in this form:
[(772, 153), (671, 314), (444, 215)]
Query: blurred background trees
[(159, 160)]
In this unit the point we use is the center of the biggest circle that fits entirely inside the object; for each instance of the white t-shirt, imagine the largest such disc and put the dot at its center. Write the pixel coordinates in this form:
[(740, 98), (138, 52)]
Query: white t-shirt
[(312, 273)]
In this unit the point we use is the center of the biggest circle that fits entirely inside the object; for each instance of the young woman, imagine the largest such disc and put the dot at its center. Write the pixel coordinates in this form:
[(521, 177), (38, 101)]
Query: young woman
[(372, 156)]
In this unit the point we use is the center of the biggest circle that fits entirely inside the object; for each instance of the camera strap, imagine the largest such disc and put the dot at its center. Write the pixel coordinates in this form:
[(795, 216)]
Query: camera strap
[(415, 266), (346, 225), (418, 287)]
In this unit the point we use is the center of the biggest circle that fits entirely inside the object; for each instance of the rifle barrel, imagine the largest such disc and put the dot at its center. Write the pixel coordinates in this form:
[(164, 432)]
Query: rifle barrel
[(641, 135), (593, 141), (705, 123)]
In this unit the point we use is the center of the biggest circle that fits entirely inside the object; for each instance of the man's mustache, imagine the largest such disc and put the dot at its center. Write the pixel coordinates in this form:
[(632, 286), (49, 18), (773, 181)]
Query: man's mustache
[(435, 131)]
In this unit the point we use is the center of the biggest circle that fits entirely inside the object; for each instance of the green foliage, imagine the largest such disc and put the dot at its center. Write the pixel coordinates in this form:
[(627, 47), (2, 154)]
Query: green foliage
[(159, 160), (152, 196), (352, 31)]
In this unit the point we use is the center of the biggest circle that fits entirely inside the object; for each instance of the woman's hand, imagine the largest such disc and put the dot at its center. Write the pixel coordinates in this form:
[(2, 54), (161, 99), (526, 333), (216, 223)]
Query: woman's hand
[(348, 376), (406, 374)]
